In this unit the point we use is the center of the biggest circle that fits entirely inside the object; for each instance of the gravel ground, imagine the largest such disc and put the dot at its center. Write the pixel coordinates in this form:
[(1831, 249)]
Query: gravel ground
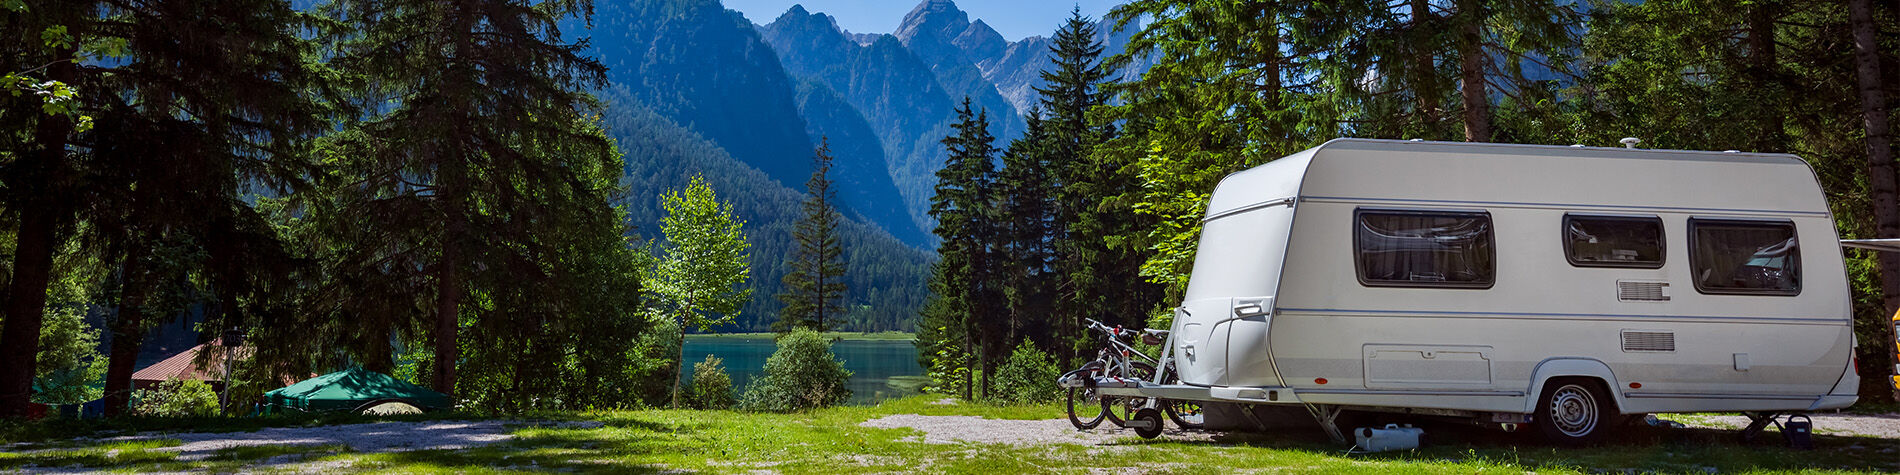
[(957, 429), (376, 437), (1886, 426)]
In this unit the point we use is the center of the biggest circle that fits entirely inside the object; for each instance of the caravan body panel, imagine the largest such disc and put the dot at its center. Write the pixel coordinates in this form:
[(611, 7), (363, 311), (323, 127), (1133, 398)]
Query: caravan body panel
[(1487, 343)]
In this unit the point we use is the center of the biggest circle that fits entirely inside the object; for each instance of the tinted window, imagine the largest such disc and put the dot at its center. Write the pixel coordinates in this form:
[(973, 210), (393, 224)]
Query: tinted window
[(1745, 256), (1613, 241), (1429, 249)]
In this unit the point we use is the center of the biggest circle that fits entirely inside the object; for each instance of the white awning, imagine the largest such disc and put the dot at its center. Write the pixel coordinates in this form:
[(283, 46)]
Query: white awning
[(1889, 245)]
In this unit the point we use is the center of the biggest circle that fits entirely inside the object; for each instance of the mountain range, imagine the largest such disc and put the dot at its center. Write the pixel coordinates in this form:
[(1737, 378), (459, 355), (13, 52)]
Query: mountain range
[(753, 100)]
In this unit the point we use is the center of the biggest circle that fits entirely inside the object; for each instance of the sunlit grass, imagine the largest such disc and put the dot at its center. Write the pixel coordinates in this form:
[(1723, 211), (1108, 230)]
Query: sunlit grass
[(831, 441)]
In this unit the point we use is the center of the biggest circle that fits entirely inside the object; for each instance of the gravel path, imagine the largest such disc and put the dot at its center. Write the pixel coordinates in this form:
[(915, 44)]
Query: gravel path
[(958, 429), (1886, 426), (375, 437)]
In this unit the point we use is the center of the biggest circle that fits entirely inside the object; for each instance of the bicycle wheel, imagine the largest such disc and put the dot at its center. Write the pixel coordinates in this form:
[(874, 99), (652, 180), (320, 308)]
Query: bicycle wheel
[(1185, 414), (1120, 409), (1086, 409)]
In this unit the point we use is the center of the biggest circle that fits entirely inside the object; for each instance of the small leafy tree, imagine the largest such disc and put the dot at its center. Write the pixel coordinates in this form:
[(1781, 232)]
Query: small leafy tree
[(176, 398), (712, 387), (700, 281), (802, 374)]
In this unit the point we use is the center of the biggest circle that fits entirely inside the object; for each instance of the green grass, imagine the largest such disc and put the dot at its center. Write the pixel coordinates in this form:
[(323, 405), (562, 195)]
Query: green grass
[(831, 441), (876, 336)]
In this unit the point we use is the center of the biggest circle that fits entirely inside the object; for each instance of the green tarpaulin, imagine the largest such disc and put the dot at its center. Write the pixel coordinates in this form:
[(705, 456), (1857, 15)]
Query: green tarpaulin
[(350, 389)]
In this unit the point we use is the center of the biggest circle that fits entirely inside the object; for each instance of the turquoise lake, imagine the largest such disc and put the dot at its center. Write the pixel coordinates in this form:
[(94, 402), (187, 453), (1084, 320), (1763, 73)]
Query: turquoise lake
[(880, 369)]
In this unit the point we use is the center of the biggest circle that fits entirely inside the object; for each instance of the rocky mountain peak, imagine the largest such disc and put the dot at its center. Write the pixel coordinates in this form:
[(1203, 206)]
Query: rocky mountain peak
[(937, 19)]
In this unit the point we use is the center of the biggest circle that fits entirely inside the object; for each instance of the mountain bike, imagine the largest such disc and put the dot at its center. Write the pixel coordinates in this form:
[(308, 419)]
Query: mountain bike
[(1119, 362)]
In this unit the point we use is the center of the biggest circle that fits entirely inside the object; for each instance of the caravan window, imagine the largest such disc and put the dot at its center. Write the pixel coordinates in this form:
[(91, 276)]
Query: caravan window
[(1425, 249), (1745, 257), (1613, 241)]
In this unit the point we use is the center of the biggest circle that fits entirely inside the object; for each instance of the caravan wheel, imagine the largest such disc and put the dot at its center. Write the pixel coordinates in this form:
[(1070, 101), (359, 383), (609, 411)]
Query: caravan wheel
[(1573, 412)]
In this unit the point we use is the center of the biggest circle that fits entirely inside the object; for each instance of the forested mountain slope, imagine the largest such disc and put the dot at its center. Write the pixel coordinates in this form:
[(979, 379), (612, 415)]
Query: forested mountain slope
[(706, 69), (885, 277)]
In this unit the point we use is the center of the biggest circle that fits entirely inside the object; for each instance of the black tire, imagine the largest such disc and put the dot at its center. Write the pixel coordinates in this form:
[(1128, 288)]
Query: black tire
[(1574, 412), (1185, 414), (1120, 409), (1093, 408), (1150, 416)]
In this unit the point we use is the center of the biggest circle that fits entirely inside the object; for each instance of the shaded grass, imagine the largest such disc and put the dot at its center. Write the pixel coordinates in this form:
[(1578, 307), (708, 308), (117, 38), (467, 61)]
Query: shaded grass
[(832, 441), (114, 454), (56, 430)]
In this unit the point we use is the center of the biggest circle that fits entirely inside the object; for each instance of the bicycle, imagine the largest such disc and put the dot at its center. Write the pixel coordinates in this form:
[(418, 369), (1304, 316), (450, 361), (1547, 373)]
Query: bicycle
[(1120, 361)]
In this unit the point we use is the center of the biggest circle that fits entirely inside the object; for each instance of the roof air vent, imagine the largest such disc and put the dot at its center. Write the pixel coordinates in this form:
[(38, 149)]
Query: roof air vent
[(1630, 142)]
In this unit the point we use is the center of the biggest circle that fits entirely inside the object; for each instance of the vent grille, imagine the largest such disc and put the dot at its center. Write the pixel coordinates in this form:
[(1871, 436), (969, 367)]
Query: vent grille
[(1629, 291), (1660, 341)]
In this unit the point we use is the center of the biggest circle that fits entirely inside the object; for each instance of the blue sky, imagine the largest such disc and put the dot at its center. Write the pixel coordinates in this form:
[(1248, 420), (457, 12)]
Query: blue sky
[(1015, 19)]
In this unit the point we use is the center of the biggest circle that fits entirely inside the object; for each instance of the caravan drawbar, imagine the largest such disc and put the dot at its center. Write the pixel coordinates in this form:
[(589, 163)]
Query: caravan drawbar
[(1562, 287)]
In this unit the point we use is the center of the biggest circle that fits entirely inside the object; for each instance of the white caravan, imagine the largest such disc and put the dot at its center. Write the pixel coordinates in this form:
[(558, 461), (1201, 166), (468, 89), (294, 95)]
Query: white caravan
[(1555, 286)]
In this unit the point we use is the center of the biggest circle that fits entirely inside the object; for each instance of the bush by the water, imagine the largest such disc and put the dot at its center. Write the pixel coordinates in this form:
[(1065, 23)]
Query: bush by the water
[(801, 375), (176, 398), (1029, 377), (712, 387)]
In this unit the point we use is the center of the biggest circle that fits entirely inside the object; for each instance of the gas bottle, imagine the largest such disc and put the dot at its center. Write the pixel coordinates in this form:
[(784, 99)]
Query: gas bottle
[(1392, 437)]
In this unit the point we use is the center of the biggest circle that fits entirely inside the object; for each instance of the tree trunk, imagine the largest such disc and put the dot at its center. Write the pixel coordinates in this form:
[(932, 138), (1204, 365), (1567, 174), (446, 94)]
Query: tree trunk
[(1424, 70), (40, 218), (448, 301), (1881, 178), (1762, 71), (1471, 72), (128, 331)]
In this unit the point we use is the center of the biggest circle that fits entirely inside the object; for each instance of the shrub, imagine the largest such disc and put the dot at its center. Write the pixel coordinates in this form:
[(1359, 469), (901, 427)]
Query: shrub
[(1029, 377), (712, 387), (801, 375), (176, 398)]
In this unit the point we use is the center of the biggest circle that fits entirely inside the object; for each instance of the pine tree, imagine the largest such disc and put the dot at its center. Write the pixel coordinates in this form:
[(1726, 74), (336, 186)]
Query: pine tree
[(968, 296), (815, 284), (1025, 210), (477, 140), (1099, 274)]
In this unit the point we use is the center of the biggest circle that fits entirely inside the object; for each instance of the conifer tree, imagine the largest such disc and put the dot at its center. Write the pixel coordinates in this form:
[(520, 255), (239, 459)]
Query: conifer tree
[(815, 284), (477, 139), (968, 297), (1100, 275), (1025, 207)]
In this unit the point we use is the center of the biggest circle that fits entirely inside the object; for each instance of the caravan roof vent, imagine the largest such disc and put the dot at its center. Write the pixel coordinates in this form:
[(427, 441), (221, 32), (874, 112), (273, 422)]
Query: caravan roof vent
[(1630, 142)]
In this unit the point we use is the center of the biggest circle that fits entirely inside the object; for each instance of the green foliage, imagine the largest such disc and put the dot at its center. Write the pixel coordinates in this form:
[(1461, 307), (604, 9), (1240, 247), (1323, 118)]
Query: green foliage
[(802, 374), (1028, 377), (815, 285), (700, 279), (712, 387), (71, 369), (176, 398)]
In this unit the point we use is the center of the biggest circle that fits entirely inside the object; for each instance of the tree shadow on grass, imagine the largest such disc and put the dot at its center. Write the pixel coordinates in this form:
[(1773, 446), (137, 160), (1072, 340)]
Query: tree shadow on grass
[(1638, 448)]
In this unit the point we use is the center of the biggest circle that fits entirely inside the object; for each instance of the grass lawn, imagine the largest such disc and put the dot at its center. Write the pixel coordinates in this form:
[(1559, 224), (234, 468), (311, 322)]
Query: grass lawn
[(879, 336), (831, 441)]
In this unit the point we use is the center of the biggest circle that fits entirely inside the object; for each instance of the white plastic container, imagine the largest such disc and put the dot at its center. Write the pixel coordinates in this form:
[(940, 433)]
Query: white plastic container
[(1392, 437)]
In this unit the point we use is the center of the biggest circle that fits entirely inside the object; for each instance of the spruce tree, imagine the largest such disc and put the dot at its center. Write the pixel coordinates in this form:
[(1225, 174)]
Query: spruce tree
[(1025, 207), (814, 287), (968, 299), (1100, 275), (477, 141)]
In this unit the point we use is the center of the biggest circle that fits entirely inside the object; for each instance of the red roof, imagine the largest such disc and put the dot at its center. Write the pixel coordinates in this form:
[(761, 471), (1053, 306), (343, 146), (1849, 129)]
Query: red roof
[(180, 366)]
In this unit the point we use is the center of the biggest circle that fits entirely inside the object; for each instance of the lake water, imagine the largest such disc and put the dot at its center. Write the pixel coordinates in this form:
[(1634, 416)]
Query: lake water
[(880, 369)]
